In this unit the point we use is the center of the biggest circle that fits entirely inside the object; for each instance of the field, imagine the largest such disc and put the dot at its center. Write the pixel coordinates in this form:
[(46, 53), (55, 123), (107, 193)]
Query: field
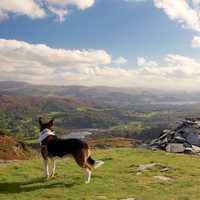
[(117, 179)]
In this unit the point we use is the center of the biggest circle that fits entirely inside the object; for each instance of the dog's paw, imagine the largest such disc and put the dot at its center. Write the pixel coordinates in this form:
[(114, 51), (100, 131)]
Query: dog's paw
[(98, 163), (87, 182)]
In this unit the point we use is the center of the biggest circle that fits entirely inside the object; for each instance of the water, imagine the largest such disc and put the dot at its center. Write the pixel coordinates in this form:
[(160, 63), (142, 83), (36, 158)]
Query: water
[(78, 134)]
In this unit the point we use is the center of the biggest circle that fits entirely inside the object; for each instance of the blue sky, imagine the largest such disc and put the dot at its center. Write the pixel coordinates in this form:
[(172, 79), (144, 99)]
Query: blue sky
[(148, 39)]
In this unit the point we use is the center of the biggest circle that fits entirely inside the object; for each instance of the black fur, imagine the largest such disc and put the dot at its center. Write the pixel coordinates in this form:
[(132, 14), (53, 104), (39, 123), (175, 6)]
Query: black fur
[(91, 161), (61, 147)]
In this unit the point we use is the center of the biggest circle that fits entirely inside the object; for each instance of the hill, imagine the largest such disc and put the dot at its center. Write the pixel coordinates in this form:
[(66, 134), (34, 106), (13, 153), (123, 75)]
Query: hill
[(112, 112), (99, 94), (121, 177)]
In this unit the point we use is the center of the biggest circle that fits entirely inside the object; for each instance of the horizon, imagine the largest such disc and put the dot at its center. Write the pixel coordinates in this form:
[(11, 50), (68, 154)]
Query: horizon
[(147, 44)]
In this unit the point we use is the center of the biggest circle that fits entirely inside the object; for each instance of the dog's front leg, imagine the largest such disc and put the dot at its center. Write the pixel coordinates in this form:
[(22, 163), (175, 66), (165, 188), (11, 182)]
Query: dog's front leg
[(53, 161), (88, 174), (46, 169)]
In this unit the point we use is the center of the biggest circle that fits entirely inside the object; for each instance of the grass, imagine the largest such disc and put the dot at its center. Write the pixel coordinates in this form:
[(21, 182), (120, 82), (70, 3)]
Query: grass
[(115, 180)]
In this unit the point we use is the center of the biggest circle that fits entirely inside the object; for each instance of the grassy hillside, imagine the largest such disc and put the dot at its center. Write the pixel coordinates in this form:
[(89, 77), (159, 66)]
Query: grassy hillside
[(117, 179)]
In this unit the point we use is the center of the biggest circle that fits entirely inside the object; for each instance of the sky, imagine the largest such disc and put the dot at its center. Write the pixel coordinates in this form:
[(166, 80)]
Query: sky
[(151, 44)]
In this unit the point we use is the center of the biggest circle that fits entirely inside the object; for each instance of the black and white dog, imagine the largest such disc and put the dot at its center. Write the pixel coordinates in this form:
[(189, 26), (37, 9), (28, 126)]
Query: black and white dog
[(52, 146)]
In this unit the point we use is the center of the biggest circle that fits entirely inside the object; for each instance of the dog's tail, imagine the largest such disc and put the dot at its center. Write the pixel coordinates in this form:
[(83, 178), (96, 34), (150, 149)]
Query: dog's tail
[(94, 163)]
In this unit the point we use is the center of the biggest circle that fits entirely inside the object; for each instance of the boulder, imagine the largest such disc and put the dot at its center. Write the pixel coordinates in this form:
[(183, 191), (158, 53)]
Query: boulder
[(175, 148)]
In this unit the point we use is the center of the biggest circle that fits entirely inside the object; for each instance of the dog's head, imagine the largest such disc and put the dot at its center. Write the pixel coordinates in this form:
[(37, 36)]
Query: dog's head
[(48, 125)]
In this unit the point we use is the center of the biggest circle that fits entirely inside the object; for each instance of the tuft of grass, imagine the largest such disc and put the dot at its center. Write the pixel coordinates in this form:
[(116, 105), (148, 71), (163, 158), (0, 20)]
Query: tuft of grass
[(117, 179)]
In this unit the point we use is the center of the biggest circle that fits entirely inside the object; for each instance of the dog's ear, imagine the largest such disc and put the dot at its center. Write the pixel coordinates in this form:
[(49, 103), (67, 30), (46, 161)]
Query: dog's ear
[(40, 121), (51, 122)]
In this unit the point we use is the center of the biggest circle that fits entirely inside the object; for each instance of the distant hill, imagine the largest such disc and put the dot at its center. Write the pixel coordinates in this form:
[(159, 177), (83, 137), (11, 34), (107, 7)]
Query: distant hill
[(19, 114), (98, 94)]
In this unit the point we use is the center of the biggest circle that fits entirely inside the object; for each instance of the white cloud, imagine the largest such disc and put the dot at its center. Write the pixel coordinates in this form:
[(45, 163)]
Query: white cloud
[(196, 42), (3, 15), (61, 7), (29, 8), (81, 4), (41, 64), (185, 12), (141, 61), (120, 60), (40, 8), (61, 13)]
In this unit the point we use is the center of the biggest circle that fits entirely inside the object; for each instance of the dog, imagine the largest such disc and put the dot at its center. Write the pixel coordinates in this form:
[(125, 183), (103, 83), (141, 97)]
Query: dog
[(53, 146)]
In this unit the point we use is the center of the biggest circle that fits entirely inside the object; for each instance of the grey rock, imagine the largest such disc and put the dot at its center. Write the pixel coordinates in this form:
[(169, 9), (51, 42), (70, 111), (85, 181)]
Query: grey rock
[(163, 178), (175, 148), (180, 139)]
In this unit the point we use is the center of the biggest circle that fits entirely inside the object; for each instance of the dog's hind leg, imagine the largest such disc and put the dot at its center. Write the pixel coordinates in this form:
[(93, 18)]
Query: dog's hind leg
[(46, 168), (53, 169), (81, 159)]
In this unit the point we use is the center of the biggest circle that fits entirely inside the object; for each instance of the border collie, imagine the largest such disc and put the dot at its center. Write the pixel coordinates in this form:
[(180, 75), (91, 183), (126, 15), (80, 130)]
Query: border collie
[(52, 146)]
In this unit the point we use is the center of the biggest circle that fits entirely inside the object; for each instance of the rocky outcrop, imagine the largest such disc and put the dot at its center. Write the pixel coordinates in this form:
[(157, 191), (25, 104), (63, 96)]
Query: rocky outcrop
[(184, 138)]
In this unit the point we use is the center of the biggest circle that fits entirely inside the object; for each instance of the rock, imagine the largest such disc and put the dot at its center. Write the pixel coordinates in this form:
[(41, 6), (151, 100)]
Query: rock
[(146, 166), (175, 148), (150, 166), (181, 138), (162, 178), (195, 149), (164, 169), (193, 139)]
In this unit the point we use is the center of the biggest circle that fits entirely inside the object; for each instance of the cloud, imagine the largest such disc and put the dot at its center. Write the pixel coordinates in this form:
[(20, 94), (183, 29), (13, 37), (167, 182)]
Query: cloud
[(61, 7), (120, 60), (81, 4), (61, 13), (196, 42), (29, 8), (141, 61), (36, 9), (41, 64), (182, 11)]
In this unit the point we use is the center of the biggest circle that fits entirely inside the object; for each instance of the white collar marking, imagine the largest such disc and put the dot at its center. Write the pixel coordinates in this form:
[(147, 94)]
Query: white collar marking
[(45, 133)]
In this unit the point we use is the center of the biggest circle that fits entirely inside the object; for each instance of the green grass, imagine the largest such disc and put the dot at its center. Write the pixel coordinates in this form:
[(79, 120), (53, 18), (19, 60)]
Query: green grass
[(31, 141), (115, 180)]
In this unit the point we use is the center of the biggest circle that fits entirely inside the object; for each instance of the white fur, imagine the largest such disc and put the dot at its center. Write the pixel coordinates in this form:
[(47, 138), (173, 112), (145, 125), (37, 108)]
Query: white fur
[(53, 170), (98, 163), (43, 134), (46, 169), (88, 174)]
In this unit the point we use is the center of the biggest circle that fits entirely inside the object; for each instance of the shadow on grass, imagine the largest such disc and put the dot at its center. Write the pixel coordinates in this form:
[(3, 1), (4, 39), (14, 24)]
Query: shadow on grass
[(34, 184)]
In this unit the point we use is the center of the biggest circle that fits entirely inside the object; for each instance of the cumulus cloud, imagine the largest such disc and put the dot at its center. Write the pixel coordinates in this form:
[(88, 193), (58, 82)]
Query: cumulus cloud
[(183, 11), (61, 13), (121, 60), (29, 8), (141, 61), (61, 7), (81, 4), (196, 42), (39, 63), (41, 8)]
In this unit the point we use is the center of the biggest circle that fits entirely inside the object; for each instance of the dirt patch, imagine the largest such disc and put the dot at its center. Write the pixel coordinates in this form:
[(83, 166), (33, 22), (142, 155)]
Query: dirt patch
[(13, 149)]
